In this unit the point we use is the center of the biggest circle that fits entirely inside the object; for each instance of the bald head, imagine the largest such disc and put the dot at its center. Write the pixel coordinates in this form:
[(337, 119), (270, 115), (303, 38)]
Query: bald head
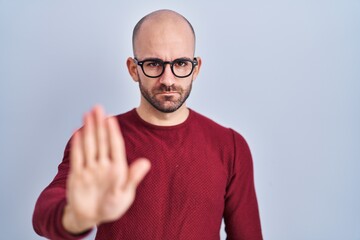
[(161, 21)]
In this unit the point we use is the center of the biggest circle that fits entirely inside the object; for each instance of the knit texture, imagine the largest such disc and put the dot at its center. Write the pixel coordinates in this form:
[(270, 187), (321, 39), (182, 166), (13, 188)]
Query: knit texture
[(200, 173)]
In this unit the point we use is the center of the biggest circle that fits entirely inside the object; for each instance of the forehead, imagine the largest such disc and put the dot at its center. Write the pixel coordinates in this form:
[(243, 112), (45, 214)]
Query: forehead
[(165, 38)]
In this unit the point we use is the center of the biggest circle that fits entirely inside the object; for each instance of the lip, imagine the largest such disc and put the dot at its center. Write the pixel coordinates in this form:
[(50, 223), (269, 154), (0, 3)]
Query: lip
[(168, 93)]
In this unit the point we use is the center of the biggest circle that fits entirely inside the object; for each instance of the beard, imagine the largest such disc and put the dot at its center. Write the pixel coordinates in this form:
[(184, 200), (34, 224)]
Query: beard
[(165, 104)]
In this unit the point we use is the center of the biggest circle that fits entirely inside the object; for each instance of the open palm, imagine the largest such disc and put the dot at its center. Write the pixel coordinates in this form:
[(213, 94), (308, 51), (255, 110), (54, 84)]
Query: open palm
[(101, 186)]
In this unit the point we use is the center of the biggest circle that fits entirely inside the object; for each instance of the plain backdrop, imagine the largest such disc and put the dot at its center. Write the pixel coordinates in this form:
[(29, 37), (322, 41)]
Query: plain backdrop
[(285, 74)]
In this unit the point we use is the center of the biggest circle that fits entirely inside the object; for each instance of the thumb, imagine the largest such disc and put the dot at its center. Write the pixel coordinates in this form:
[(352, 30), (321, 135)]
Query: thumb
[(137, 172)]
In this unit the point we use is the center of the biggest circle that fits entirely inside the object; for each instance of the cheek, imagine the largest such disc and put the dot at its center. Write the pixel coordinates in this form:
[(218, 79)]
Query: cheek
[(148, 85), (186, 82)]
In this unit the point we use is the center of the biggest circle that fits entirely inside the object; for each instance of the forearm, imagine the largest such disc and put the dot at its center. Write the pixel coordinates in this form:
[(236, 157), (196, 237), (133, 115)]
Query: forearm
[(241, 213), (48, 215)]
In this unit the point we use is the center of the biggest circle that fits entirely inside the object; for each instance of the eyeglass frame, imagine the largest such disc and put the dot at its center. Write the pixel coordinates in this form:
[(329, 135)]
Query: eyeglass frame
[(193, 62)]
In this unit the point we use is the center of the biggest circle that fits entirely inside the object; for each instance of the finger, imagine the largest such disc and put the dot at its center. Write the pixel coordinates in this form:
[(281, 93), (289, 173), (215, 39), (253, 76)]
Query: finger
[(117, 148), (101, 134), (88, 140), (76, 156), (137, 172)]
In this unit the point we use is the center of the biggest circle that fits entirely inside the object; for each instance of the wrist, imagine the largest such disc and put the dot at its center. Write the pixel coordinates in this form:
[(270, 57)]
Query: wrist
[(73, 224)]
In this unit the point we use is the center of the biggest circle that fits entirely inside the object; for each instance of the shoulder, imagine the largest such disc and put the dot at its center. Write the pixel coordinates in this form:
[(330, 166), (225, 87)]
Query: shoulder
[(211, 128), (125, 115), (128, 118), (217, 130), (206, 122), (209, 124)]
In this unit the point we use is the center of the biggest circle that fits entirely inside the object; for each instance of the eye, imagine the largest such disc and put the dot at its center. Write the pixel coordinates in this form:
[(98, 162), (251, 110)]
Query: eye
[(181, 63), (153, 64)]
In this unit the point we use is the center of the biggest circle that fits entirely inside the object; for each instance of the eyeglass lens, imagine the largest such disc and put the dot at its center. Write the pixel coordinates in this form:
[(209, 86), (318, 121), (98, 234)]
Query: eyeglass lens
[(180, 67)]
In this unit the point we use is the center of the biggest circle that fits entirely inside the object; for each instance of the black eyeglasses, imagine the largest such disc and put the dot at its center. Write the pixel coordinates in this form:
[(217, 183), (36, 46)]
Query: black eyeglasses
[(154, 67)]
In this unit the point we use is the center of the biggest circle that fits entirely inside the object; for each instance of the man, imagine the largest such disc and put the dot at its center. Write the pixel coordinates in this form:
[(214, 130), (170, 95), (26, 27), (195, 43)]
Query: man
[(187, 171)]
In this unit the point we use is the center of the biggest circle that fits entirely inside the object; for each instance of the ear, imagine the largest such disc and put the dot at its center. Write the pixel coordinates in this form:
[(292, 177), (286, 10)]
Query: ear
[(197, 68), (132, 68)]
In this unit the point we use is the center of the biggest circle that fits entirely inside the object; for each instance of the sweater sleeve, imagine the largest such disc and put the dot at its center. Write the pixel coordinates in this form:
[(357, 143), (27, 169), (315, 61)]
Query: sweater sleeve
[(241, 214), (47, 217)]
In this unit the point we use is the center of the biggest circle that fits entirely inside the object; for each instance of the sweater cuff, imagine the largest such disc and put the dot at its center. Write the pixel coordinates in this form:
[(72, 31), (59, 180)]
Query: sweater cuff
[(61, 231)]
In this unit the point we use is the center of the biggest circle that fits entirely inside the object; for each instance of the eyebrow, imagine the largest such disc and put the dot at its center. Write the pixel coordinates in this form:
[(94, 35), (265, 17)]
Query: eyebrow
[(158, 59)]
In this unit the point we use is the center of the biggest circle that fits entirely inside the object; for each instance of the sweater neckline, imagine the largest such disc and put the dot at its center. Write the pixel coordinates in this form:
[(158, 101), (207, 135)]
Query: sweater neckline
[(158, 127)]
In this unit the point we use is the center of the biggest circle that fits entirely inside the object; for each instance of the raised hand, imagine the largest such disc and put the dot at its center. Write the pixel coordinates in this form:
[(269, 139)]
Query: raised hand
[(100, 186)]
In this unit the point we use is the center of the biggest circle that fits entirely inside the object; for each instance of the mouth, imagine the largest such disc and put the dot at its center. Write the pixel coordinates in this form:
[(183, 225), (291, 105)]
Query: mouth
[(167, 93)]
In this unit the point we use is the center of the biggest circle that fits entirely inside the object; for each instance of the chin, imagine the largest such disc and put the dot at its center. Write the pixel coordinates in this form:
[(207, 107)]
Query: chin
[(166, 108)]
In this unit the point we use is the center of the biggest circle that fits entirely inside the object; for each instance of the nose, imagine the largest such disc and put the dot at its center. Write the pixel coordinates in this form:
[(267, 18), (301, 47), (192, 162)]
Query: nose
[(167, 78)]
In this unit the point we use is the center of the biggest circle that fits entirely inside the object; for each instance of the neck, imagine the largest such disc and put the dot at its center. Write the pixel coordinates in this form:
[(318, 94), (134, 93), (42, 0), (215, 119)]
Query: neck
[(151, 115)]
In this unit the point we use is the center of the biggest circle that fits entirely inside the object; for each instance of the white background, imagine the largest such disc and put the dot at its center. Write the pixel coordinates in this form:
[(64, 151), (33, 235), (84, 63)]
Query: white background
[(285, 74)]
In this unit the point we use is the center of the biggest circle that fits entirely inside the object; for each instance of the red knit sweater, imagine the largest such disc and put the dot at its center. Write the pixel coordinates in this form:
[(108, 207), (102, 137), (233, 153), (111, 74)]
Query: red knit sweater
[(201, 172)]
